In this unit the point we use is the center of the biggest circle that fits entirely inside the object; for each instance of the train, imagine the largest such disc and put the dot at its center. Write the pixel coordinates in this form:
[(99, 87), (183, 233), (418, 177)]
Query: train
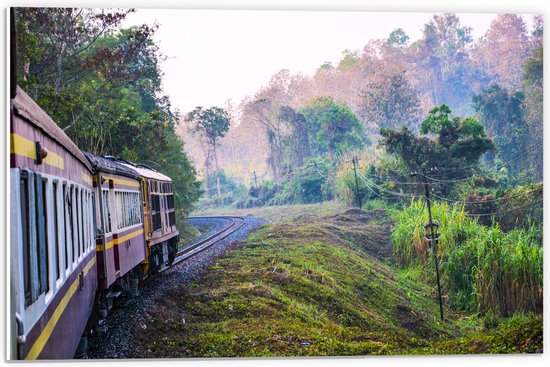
[(85, 230)]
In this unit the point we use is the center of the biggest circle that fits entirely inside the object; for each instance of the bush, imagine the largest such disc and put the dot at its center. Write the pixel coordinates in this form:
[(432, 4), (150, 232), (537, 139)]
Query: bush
[(482, 268)]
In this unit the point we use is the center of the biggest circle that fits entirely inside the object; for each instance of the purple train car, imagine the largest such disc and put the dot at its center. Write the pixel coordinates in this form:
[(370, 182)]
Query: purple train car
[(52, 253), (120, 242)]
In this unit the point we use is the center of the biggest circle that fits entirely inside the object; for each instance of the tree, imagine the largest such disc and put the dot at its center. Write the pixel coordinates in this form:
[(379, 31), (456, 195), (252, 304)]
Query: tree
[(398, 38), (533, 103), (457, 144), (444, 66), (349, 59), (53, 40), (503, 50), (391, 102), (102, 85), (333, 127), (213, 123), (502, 115), (283, 89), (297, 142)]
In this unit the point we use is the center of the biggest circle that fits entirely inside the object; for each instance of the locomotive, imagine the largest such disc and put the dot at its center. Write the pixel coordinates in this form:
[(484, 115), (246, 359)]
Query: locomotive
[(84, 231)]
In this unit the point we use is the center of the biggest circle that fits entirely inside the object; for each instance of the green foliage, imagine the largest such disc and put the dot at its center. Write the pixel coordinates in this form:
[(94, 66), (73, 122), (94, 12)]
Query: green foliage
[(334, 127), (503, 118), (391, 102), (349, 59), (213, 122), (398, 38), (533, 68), (533, 105), (482, 268), (458, 143), (227, 185), (310, 287), (310, 183), (101, 84)]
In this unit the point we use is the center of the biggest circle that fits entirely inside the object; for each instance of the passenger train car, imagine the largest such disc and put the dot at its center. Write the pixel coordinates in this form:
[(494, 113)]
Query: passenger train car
[(53, 273), (120, 241), (84, 230), (161, 234)]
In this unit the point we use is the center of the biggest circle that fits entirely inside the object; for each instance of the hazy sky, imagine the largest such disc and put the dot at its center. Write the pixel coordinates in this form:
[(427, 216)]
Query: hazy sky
[(216, 55)]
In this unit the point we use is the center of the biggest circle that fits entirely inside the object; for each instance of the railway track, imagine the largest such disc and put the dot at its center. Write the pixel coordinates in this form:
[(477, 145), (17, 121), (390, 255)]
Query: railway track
[(192, 250)]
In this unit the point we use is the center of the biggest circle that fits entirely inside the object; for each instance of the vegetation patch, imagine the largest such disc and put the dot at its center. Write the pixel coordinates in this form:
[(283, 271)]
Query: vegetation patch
[(314, 288)]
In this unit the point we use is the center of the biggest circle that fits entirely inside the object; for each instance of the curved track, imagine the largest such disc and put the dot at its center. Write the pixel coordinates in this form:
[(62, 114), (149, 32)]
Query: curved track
[(190, 251)]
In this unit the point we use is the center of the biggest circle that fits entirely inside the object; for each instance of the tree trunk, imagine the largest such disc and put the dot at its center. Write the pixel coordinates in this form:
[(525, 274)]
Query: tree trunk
[(217, 170), (59, 62)]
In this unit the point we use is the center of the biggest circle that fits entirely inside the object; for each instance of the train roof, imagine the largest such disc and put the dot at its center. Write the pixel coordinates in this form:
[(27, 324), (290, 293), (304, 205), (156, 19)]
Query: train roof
[(148, 172), (27, 108), (106, 164)]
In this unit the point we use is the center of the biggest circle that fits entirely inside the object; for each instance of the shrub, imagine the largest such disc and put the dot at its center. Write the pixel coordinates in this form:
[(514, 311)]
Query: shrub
[(482, 268)]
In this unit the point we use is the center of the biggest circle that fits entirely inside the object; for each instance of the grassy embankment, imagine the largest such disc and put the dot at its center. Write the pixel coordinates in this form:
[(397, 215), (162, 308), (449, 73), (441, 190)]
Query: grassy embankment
[(321, 285)]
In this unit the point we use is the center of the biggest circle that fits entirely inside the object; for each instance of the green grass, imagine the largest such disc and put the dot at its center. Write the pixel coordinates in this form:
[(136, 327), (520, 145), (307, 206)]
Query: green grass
[(319, 288), (282, 213), (483, 268)]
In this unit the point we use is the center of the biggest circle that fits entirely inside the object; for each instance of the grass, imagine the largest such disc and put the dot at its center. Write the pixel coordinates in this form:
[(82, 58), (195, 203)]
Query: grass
[(483, 268), (282, 213), (322, 286)]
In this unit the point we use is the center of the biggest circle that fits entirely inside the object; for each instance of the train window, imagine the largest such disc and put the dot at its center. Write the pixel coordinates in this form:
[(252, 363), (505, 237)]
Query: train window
[(106, 211), (91, 219), (78, 212), (33, 205), (56, 229), (68, 234), (42, 219), (26, 235), (125, 209), (155, 211), (86, 208), (86, 211), (170, 201), (172, 218), (82, 222), (129, 208), (70, 206)]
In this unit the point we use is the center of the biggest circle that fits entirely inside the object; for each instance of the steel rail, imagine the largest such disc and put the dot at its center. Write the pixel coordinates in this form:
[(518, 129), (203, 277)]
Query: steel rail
[(190, 251)]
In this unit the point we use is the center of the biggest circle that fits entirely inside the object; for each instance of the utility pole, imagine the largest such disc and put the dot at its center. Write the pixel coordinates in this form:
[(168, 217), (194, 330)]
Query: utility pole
[(432, 237), (358, 195), (255, 180)]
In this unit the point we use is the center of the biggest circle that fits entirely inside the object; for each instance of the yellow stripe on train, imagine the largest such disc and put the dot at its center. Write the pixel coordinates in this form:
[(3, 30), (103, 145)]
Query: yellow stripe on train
[(120, 181), (48, 330), (117, 241), (24, 147)]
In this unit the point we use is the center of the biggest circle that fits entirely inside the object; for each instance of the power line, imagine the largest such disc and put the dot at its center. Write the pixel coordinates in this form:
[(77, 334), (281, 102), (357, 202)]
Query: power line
[(395, 193), (533, 147), (503, 212), (484, 201), (447, 181), (529, 150)]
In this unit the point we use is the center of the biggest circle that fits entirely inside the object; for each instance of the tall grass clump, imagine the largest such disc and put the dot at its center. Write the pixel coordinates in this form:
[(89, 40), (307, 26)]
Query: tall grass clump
[(483, 268)]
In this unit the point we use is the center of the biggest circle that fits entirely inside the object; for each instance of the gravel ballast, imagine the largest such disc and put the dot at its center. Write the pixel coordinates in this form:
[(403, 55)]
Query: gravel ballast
[(132, 314)]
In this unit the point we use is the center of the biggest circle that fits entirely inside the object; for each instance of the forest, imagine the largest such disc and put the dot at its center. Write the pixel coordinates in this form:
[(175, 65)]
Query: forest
[(459, 115), (313, 125)]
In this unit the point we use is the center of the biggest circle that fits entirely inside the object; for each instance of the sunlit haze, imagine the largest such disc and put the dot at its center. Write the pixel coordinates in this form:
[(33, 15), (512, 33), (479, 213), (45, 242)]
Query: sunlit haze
[(217, 55)]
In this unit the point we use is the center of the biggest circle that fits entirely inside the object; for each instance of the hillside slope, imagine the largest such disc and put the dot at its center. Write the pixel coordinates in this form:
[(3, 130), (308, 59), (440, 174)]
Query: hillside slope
[(318, 287)]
